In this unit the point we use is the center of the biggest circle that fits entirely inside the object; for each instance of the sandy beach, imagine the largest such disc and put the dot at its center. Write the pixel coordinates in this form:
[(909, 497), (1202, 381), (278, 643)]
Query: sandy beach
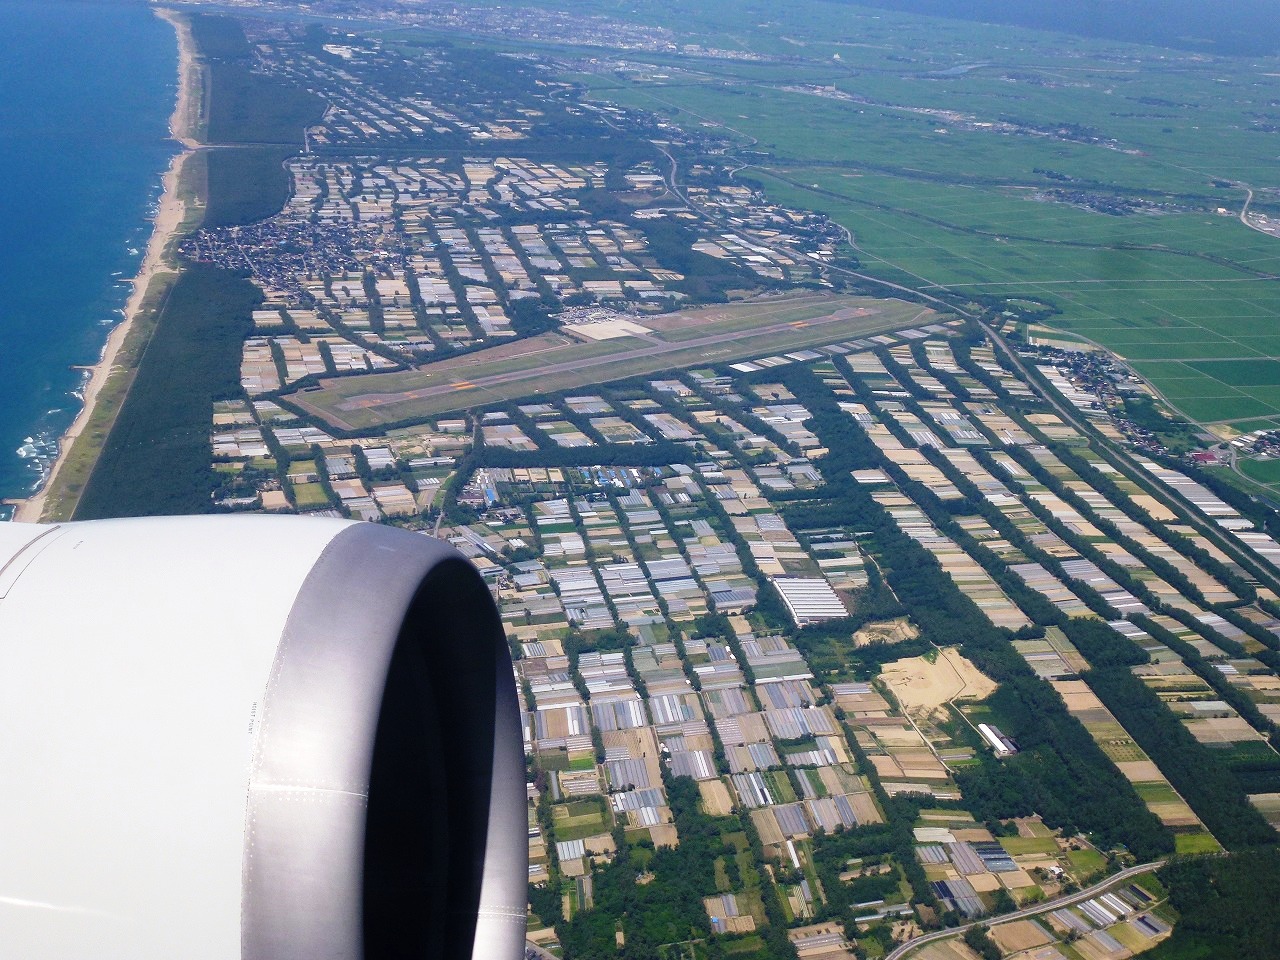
[(172, 210)]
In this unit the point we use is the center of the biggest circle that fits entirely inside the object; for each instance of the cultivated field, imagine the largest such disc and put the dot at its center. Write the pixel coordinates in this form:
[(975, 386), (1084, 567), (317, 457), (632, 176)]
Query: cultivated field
[(1201, 327), (1092, 196)]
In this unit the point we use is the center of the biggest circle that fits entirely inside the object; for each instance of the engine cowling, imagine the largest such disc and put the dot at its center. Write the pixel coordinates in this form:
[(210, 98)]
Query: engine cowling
[(256, 737)]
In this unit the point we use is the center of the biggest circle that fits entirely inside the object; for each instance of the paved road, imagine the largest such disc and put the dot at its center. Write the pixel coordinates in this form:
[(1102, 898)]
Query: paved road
[(1032, 911), (1270, 231), (533, 952)]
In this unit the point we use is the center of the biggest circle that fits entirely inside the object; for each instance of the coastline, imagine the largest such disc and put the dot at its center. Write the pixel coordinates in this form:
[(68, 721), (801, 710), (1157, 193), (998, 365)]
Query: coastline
[(170, 214)]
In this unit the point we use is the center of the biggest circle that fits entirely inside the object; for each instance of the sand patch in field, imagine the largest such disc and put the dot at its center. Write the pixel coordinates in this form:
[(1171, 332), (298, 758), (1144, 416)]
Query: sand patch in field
[(1019, 935), (1139, 771), (767, 827), (924, 686), (984, 882), (886, 631), (715, 798)]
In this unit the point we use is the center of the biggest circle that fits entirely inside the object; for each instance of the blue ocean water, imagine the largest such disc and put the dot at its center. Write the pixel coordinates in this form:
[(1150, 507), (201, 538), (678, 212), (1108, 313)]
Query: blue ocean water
[(86, 90)]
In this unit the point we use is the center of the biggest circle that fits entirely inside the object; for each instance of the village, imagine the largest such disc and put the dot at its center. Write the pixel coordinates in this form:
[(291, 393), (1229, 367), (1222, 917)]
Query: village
[(720, 579), (631, 596)]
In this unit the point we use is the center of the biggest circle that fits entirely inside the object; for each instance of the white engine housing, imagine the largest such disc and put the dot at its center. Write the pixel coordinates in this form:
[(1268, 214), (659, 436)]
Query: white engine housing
[(257, 737)]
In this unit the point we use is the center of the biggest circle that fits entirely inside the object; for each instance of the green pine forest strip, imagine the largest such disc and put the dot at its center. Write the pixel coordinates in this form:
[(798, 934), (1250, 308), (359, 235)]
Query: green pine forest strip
[(156, 458)]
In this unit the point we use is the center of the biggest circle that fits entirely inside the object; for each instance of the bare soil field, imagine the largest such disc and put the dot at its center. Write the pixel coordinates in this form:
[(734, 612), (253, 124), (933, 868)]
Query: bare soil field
[(1139, 771), (715, 798), (886, 631), (946, 950), (1019, 935), (1174, 814), (767, 826), (922, 685)]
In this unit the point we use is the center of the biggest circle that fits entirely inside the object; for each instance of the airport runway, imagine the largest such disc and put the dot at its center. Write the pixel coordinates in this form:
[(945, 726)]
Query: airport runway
[(461, 382)]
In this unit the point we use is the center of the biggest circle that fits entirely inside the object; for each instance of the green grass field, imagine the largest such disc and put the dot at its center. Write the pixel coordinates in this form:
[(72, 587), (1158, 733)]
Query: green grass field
[(578, 820), (1264, 471), (780, 786), (309, 496), (937, 194), (1156, 792), (1194, 843), (1017, 846), (1085, 862)]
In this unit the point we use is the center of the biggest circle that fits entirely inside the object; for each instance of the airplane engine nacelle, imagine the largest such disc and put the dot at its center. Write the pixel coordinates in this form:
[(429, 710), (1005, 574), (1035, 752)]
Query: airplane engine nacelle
[(258, 737)]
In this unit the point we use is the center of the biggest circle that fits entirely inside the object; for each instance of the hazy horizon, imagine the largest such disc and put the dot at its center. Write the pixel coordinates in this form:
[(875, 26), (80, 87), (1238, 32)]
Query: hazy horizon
[(1241, 28)]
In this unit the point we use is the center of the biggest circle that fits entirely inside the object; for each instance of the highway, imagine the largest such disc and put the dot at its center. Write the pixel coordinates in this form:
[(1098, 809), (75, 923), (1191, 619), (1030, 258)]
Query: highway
[(1031, 911)]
